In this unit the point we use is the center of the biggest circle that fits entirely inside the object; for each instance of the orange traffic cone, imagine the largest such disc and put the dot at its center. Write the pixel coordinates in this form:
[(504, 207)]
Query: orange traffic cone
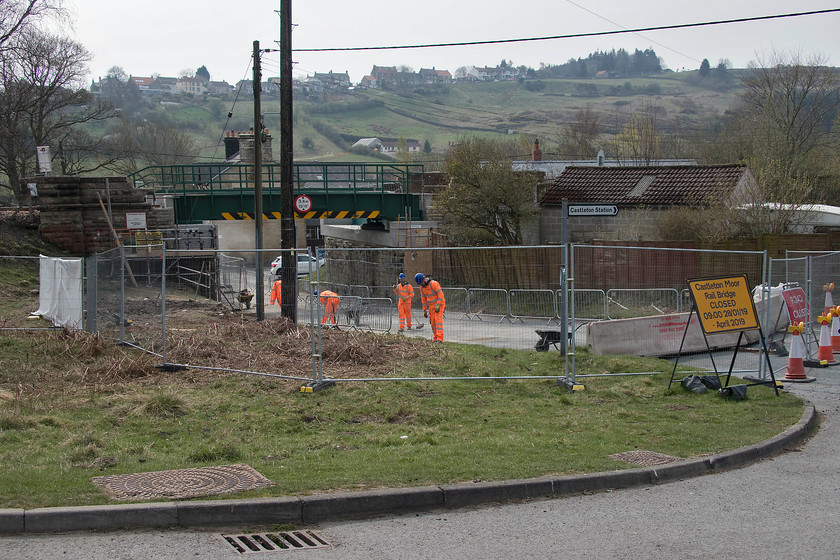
[(825, 352), (829, 302), (835, 328), (795, 368)]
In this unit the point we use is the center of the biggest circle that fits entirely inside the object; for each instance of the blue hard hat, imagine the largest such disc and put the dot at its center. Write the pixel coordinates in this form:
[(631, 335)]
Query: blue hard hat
[(401, 276), (418, 277), (315, 293)]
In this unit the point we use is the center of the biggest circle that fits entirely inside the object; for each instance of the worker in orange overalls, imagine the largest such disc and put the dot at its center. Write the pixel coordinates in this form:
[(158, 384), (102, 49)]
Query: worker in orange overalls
[(276, 290), (434, 304), (405, 292), (330, 302)]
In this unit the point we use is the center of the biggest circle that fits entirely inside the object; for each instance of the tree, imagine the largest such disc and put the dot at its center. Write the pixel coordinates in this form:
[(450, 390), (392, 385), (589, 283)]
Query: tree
[(705, 67), (140, 144), (485, 200), (427, 148), (18, 16), (638, 141), (580, 137), (789, 107), (202, 73), (118, 88), (43, 104)]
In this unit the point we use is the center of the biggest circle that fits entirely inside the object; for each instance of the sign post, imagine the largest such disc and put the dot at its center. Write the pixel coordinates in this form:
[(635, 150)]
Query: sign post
[(586, 210), (723, 305)]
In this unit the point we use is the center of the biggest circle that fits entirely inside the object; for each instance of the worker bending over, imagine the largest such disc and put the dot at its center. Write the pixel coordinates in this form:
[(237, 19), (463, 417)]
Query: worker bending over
[(329, 300), (434, 304), (405, 292)]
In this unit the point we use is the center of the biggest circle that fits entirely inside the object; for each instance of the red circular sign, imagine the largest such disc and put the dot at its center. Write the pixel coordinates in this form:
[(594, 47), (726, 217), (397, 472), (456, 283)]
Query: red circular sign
[(303, 203)]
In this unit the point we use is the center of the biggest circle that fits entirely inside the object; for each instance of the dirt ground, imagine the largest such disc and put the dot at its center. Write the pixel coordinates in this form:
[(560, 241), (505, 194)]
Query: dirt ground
[(210, 334)]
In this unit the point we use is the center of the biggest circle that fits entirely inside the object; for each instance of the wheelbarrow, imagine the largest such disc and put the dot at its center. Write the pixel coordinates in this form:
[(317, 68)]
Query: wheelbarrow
[(549, 337), (245, 297)]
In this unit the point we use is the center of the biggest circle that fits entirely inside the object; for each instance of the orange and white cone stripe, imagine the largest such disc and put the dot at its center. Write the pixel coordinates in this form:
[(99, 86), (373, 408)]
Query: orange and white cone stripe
[(825, 352), (829, 301), (835, 328), (795, 367)]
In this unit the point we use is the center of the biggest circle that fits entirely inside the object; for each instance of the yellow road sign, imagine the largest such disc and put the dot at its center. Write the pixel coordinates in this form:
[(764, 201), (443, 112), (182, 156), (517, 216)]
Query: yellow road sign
[(724, 304)]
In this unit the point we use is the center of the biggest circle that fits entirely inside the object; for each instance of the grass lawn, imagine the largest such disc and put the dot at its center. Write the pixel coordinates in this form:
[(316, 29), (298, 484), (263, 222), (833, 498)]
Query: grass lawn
[(74, 406)]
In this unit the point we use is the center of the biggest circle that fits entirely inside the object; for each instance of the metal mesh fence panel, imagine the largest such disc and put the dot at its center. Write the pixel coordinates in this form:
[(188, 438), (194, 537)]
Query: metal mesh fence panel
[(500, 297), (642, 292), (488, 303), (590, 305), (624, 303), (535, 304)]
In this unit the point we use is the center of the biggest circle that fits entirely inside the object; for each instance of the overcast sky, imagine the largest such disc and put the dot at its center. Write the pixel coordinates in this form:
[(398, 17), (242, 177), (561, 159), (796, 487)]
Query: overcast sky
[(168, 36)]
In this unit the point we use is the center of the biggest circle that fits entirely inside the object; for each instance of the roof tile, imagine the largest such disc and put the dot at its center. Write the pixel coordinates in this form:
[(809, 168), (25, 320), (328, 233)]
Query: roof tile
[(678, 185)]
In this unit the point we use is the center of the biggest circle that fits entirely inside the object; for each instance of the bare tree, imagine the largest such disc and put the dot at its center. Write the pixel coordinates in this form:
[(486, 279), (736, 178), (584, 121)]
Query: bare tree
[(43, 101), (16, 16), (136, 145), (639, 141), (789, 107), (580, 137)]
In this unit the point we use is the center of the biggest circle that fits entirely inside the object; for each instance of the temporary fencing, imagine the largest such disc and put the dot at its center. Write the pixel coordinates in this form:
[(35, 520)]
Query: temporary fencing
[(615, 299)]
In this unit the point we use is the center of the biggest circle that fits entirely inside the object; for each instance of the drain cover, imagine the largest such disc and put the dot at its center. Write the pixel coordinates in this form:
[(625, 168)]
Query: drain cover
[(181, 483), (251, 543), (643, 458)]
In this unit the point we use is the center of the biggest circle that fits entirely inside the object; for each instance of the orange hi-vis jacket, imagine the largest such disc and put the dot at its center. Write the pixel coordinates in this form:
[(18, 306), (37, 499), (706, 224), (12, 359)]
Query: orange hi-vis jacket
[(276, 291), (329, 300), (432, 295), (405, 292)]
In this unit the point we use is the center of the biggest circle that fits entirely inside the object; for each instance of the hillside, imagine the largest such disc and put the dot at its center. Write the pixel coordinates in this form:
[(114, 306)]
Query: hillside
[(326, 125)]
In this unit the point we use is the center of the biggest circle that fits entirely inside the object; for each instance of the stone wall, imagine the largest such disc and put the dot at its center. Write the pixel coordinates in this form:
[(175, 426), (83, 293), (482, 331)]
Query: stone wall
[(72, 218)]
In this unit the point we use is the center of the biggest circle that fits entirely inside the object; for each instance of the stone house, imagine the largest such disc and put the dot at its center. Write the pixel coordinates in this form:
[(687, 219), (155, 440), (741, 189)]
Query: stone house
[(639, 193)]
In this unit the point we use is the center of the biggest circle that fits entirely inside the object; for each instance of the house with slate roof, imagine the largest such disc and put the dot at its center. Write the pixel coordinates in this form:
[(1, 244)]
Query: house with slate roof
[(640, 193)]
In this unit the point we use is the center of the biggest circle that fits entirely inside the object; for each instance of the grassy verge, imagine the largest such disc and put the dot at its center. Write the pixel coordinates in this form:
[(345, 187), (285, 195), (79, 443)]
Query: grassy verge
[(73, 406)]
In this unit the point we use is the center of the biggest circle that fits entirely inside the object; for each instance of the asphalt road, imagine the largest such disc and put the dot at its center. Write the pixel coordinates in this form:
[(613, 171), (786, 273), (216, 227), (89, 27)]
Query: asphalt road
[(785, 507)]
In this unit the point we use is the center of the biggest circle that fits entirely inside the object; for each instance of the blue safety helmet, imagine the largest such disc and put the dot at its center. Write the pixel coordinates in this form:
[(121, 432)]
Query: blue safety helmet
[(315, 293), (401, 276), (418, 277)]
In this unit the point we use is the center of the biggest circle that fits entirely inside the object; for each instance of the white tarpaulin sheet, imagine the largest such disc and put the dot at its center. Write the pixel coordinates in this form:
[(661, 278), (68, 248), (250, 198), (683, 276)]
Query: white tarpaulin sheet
[(60, 292)]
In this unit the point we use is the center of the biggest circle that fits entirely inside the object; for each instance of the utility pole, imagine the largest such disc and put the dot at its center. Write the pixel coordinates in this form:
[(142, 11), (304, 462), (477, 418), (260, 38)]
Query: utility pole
[(288, 306), (258, 200)]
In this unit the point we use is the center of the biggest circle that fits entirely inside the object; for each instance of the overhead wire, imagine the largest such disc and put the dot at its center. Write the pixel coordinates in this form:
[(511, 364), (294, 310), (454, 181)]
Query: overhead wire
[(585, 9), (575, 35), (233, 105)]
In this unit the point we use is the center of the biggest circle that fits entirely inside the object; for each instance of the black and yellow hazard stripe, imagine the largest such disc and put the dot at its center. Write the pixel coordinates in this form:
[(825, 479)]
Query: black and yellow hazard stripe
[(315, 214)]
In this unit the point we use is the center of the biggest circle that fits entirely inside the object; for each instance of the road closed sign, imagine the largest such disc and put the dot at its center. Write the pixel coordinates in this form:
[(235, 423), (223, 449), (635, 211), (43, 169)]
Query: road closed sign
[(797, 305), (724, 304)]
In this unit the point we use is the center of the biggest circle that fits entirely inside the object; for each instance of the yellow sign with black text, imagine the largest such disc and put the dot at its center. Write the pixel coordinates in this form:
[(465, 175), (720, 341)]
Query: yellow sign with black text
[(724, 304)]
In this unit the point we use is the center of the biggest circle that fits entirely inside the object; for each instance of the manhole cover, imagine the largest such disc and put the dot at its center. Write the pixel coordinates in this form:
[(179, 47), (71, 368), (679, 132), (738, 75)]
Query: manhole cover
[(181, 483), (643, 458), (249, 543)]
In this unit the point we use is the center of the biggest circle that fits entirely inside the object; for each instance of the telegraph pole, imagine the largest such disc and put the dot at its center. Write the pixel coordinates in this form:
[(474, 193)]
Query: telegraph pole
[(258, 201), (287, 220)]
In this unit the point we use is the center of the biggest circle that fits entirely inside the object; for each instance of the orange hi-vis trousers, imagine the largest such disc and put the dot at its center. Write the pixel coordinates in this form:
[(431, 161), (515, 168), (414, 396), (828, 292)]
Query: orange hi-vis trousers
[(435, 304), (330, 301), (276, 290), (404, 294)]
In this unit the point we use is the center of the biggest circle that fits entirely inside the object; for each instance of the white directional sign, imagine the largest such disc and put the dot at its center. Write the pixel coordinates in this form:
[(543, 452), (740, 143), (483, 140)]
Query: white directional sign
[(593, 209)]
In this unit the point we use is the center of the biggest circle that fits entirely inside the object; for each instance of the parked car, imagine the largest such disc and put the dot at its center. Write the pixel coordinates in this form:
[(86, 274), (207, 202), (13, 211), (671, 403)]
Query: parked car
[(305, 264)]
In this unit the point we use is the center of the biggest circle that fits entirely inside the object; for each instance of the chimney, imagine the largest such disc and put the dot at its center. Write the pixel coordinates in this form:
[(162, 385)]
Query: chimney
[(231, 144), (537, 154)]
